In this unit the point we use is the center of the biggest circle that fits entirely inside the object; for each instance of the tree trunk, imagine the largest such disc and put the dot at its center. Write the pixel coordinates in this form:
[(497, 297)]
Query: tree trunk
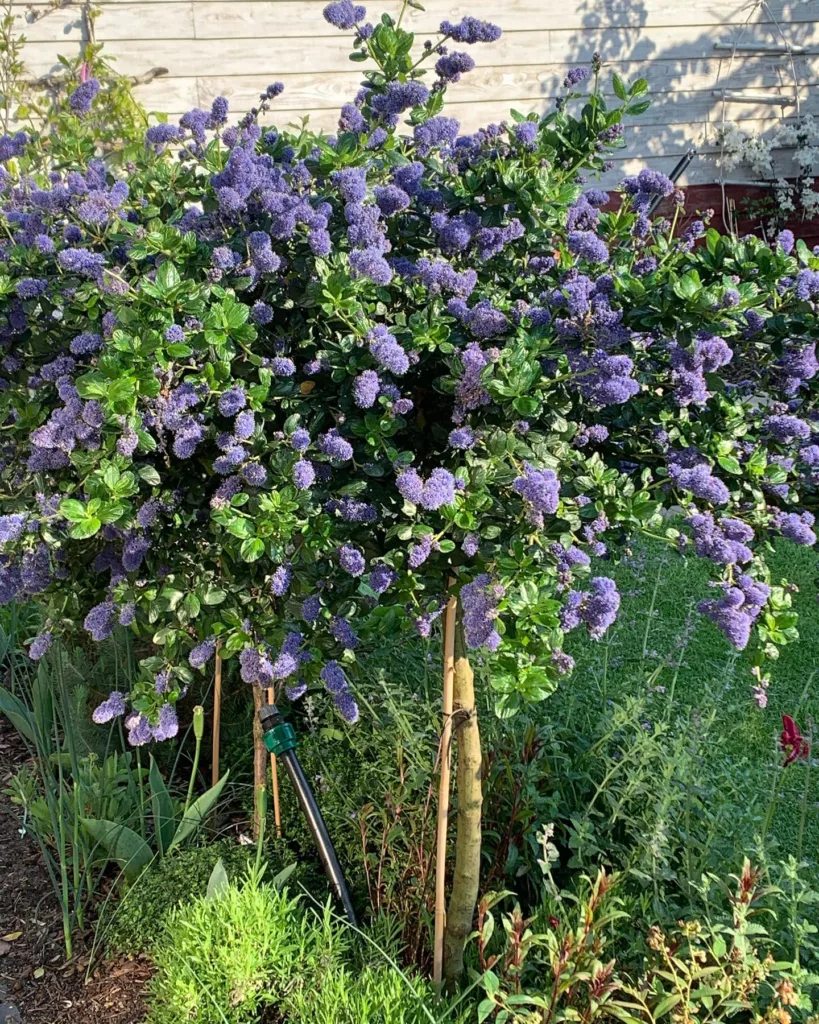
[(259, 763), (466, 877)]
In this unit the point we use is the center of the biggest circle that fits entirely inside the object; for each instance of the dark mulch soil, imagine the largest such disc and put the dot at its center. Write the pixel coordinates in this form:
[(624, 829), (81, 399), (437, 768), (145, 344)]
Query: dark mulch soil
[(34, 975)]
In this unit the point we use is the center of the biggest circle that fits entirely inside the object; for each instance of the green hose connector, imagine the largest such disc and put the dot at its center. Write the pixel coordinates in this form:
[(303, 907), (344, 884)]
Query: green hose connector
[(280, 738)]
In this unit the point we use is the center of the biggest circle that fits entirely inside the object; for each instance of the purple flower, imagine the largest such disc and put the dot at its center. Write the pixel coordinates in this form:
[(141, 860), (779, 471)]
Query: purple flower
[(381, 578), (300, 439), (370, 263), (11, 527), (332, 675), (786, 241), (471, 30), (344, 14), (139, 729), (346, 706), (335, 447), (391, 199), (576, 76), (526, 133), (232, 401), (787, 429), (201, 654), (700, 481), (40, 645), (480, 600), (410, 485), (168, 725), (100, 621), (344, 634), (112, 707), (85, 344), (174, 333), (310, 608), (365, 389), (420, 552), (281, 580), (451, 66), (798, 528), (30, 287), (351, 183), (304, 474), (737, 610), (282, 366), (462, 437), (387, 352), (597, 608), (470, 544), (351, 560), (438, 490), (588, 246), (540, 489), (261, 314), (437, 131), (83, 96), (81, 261)]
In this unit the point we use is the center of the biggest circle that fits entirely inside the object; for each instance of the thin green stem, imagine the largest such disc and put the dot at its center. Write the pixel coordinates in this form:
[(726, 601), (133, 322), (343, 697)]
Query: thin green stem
[(194, 769)]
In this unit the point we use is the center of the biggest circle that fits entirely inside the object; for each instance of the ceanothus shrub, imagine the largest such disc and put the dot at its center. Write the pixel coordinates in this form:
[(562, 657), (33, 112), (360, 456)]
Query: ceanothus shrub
[(271, 391)]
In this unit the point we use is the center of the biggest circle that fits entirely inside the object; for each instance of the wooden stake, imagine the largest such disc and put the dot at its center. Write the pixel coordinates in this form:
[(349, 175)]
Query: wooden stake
[(274, 775), (443, 788), (217, 717), (259, 764)]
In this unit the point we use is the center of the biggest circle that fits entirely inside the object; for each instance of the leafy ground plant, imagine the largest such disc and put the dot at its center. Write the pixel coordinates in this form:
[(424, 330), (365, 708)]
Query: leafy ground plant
[(227, 957)]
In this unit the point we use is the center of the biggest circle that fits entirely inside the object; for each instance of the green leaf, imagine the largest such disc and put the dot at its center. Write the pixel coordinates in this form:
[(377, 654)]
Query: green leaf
[(162, 808), (73, 510), (619, 87), (280, 878), (197, 812), (213, 596), (730, 464), (122, 845), (218, 881), (150, 476), (87, 528), (167, 277), (18, 714), (252, 549)]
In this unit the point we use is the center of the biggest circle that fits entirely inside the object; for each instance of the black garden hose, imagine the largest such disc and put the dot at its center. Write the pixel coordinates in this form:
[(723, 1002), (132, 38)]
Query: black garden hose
[(280, 739)]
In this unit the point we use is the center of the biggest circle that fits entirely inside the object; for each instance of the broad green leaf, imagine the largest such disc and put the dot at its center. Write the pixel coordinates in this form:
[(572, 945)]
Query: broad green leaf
[(218, 881), (18, 714), (122, 844), (162, 808), (280, 878), (197, 812)]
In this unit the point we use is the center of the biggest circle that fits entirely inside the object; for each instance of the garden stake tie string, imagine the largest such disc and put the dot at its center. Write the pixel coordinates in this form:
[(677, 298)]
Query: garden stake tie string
[(443, 788)]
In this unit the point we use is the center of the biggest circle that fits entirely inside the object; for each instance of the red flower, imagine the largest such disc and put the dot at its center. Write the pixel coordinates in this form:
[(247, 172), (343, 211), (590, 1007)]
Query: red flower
[(792, 743)]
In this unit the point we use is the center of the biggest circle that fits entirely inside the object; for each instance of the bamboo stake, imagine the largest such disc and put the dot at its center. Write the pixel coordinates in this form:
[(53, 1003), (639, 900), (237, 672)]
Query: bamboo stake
[(259, 765), (217, 717), (443, 788), (274, 774)]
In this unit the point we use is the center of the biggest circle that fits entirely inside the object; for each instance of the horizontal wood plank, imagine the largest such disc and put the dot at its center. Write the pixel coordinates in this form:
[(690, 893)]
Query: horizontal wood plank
[(532, 49), (519, 15)]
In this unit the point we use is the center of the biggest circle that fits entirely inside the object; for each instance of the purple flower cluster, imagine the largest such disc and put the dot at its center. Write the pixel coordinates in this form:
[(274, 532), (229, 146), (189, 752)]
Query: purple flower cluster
[(335, 681), (738, 609), (437, 491), (700, 481), (540, 489), (596, 609), (480, 601), (724, 542)]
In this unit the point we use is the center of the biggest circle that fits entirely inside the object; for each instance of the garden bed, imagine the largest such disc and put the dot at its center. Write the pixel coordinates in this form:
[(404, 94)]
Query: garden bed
[(32, 940)]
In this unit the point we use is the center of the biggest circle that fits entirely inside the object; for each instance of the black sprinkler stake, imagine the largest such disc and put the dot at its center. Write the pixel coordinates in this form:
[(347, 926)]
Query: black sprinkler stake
[(280, 739)]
